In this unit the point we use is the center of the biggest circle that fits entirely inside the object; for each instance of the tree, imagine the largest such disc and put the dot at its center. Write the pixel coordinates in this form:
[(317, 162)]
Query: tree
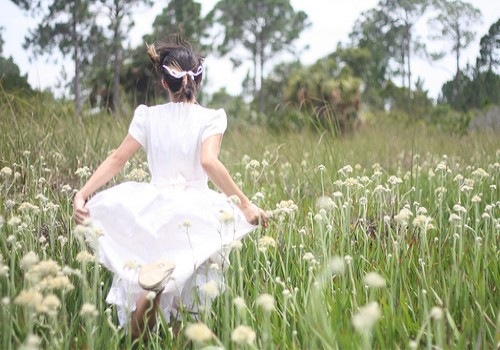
[(180, 16), (263, 28), (10, 75), (455, 22), (372, 33), (489, 53), (66, 25), (402, 16), (387, 32), (328, 90), (1, 40), (480, 86), (120, 22)]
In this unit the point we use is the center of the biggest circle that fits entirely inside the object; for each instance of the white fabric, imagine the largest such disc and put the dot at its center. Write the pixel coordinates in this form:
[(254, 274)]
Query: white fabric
[(179, 75), (176, 216)]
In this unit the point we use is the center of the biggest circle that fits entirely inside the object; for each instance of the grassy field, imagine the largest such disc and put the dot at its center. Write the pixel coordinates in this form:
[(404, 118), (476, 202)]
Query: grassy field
[(387, 239)]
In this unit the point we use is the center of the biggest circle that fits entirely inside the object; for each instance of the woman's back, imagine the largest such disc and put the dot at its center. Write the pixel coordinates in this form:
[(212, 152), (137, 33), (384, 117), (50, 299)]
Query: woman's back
[(172, 134)]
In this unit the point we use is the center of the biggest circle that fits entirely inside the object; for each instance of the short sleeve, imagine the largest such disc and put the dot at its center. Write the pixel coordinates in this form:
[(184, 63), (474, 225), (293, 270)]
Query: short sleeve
[(216, 124), (137, 127)]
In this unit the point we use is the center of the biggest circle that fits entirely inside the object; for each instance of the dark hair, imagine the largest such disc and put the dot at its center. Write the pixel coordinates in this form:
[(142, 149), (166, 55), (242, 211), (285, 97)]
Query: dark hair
[(178, 55)]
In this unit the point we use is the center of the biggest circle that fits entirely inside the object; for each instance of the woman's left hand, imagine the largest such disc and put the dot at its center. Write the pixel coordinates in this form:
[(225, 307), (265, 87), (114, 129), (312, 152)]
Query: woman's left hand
[(255, 215)]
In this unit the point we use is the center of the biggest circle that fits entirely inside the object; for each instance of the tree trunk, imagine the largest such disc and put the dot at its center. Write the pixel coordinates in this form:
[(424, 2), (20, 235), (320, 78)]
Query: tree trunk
[(254, 87), (408, 62), (261, 88), (117, 55), (76, 59), (116, 80), (458, 83)]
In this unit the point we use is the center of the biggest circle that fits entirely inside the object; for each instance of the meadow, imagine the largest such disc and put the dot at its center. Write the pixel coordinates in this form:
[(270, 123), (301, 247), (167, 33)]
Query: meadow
[(387, 238)]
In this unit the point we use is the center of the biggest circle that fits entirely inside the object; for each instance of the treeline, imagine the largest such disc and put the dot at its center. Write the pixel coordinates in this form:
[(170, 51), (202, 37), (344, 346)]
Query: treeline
[(373, 69)]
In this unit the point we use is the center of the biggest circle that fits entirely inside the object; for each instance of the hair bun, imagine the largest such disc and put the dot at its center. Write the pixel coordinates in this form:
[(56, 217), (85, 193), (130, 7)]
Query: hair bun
[(153, 55)]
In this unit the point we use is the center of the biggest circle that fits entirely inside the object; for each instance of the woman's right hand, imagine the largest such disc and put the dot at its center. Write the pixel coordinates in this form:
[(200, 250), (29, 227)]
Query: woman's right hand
[(80, 213), (255, 215)]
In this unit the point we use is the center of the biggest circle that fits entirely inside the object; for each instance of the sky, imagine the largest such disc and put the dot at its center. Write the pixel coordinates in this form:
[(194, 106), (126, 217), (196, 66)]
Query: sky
[(331, 22)]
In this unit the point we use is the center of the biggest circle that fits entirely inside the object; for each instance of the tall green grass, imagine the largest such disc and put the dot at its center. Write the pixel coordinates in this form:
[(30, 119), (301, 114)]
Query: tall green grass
[(384, 238)]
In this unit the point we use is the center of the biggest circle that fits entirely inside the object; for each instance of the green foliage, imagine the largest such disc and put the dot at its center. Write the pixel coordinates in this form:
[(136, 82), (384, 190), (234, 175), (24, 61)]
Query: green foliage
[(414, 104), (263, 27), (235, 107), (328, 90), (479, 90), (449, 120), (409, 203), (10, 77), (402, 16), (67, 26), (489, 52), (454, 23), (371, 32), (119, 14), (182, 17), (139, 79)]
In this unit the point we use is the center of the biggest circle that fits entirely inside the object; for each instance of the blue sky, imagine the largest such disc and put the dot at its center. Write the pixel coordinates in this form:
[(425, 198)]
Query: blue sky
[(332, 20)]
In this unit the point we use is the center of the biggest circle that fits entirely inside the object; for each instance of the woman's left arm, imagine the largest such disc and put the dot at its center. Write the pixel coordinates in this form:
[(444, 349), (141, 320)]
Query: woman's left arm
[(105, 172)]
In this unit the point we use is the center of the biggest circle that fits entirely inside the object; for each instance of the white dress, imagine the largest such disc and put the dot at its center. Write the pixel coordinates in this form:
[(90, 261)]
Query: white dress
[(176, 216)]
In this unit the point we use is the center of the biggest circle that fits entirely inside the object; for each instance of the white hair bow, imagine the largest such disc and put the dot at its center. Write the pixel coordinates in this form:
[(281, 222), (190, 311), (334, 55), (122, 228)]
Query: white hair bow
[(178, 75)]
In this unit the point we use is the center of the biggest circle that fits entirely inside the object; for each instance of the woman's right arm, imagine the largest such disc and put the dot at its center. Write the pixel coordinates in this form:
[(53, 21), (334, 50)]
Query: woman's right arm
[(105, 172), (221, 178)]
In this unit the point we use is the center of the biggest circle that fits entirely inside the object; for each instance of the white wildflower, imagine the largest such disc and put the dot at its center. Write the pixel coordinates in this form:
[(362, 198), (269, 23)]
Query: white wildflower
[(239, 302), (6, 172), (14, 221), (480, 173), (32, 342), (29, 298), (266, 302), (374, 280), (394, 180), (83, 172), (454, 218), (459, 209), (336, 265), (89, 310), (476, 199), (325, 202), (151, 295), (85, 257), (436, 313), (186, 224), (364, 320), (337, 194), (308, 256), (226, 217), (243, 335), (198, 332), (28, 260), (131, 265), (49, 305), (236, 244), (403, 216), (235, 199), (266, 242), (211, 289), (253, 164)]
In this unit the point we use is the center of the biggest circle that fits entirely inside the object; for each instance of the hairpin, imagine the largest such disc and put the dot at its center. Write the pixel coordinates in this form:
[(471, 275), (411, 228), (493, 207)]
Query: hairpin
[(178, 75)]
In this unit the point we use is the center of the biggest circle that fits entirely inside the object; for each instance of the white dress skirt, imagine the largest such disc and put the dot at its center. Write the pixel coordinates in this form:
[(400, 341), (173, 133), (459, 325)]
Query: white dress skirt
[(175, 217)]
